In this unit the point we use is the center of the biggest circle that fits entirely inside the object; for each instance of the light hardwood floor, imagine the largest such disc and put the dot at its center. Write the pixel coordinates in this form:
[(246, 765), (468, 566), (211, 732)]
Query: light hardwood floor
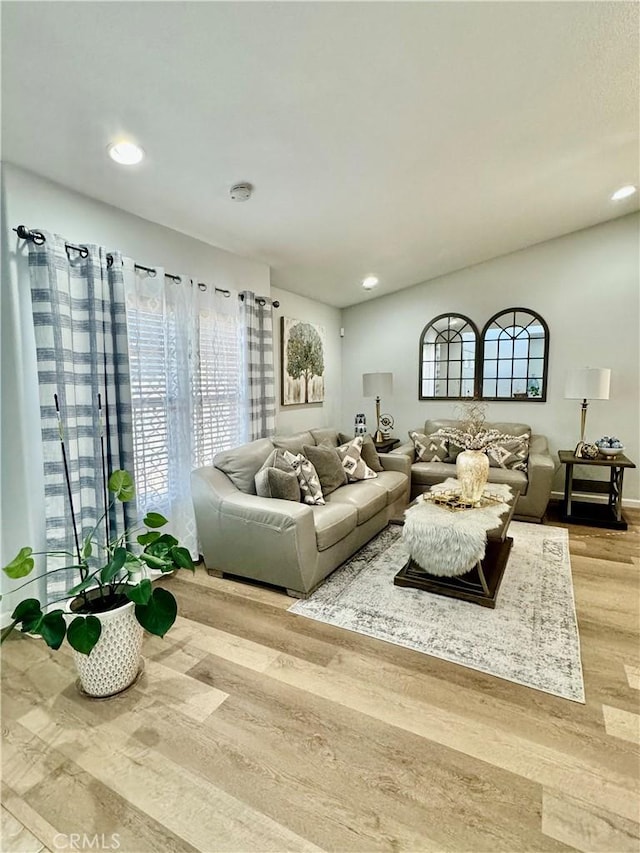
[(256, 730)]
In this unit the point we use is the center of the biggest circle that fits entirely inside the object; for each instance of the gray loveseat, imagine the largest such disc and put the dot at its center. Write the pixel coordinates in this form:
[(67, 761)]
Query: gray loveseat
[(534, 484), (281, 542)]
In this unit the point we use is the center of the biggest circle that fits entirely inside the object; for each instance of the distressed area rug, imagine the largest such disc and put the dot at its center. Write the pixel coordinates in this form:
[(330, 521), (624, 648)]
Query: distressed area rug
[(531, 637)]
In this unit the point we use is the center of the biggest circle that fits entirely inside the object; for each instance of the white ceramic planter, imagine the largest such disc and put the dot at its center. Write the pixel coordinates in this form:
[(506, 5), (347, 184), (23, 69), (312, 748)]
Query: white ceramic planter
[(472, 472), (114, 661)]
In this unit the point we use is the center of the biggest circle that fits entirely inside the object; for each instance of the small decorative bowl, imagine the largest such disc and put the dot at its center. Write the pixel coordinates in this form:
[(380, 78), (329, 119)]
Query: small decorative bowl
[(611, 452)]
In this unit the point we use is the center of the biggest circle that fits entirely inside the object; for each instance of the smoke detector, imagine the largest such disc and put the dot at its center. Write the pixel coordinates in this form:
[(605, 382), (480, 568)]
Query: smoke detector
[(241, 192)]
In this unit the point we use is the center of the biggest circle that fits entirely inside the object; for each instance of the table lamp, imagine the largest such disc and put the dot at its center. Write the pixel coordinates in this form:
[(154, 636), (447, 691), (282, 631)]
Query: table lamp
[(586, 383), (375, 385)]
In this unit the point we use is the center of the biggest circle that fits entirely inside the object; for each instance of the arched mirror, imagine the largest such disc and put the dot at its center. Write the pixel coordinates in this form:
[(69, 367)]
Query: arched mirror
[(448, 354), (515, 350)]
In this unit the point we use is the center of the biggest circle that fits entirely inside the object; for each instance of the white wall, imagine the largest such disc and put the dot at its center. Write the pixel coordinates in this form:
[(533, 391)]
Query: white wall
[(28, 199), (585, 285), (294, 418), (38, 203)]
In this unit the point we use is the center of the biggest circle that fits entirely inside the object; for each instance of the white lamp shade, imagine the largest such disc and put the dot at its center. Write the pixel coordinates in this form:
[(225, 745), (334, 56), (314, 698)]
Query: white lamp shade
[(377, 384), (588, 383)]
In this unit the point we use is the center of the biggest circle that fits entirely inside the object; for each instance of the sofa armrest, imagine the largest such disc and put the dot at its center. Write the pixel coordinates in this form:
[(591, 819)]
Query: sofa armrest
[(540, 465), (396, 462), (406, 449), (540, 473), (262, 538)]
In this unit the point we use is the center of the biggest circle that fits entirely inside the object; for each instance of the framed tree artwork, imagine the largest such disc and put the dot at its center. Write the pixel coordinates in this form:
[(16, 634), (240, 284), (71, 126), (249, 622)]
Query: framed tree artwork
[(302, 347)]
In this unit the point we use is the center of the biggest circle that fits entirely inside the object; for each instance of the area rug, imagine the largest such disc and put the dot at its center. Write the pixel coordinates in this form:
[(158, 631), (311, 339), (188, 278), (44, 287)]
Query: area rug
[(531, 637)]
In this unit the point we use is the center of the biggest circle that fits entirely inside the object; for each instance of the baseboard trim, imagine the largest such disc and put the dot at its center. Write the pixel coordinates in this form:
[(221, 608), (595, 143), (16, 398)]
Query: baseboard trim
[(630, 503)]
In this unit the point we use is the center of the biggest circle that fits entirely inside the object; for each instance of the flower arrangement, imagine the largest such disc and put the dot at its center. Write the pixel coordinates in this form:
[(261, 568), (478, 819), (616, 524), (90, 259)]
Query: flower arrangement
[(472, 434)]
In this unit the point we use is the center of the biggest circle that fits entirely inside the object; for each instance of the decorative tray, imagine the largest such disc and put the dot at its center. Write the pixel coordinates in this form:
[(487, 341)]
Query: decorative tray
[(452, 500)]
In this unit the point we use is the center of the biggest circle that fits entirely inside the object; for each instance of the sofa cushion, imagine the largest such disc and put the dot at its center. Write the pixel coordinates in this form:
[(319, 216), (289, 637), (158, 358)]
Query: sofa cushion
[(369, 452), (428, 473), (516, 479), (276, 483), (393, 482), (326, 435), (429, 448), (241, 464), (332, 523), (510, 453), (293, 443), (328, 465), (352, 461), (366, 497), (509, 428), (308, 479)]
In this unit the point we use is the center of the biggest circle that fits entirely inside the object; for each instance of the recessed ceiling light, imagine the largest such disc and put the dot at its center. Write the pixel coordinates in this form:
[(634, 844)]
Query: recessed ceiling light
[(624, 192), (369, 282), (125, 153)]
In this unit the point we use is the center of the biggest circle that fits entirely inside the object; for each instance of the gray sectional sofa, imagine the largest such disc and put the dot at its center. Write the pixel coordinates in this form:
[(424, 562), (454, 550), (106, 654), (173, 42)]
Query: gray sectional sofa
[(281, 542), (534, 484)]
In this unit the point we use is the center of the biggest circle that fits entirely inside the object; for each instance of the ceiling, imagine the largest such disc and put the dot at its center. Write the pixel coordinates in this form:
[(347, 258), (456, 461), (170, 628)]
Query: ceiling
[(400, 139)]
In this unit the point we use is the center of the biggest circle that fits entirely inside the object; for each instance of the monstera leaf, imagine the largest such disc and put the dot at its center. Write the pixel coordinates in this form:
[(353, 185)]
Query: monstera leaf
[(121, 484), (21, 565), (159, 613)]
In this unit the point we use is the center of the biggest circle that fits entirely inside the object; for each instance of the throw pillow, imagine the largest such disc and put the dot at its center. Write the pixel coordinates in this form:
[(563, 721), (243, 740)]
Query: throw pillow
[(307, 478), (353, 463), (276, 483), (369, 452), (277, 459), (328, 466), (429, 448), (511, 453), (452, 451)]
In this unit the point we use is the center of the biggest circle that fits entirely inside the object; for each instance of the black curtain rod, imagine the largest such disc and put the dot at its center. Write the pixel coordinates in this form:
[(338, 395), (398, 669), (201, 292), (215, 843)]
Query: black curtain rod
[(38, 238)]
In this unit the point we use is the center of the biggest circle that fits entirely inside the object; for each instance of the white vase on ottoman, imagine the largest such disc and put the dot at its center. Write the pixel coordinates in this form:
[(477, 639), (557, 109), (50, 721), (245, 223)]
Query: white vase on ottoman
[(472, 472)]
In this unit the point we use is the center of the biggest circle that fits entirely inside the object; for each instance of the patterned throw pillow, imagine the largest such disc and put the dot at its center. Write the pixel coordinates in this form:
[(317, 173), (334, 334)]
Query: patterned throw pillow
[(452, 451), (511, 453), (430, 448), (352, 461), (308, 479), (369, 452)]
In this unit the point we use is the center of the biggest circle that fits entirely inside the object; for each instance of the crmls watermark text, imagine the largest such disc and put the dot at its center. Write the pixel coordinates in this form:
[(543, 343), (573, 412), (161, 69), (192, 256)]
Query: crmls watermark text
[(84, 841)]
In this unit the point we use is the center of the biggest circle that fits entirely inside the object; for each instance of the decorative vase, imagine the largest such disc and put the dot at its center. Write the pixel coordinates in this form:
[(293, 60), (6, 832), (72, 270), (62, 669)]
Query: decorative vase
[(472, 472), (114, 662)]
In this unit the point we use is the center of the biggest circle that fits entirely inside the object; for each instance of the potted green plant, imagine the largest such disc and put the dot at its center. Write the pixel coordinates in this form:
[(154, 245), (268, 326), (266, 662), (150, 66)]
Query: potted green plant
[(114, 601)]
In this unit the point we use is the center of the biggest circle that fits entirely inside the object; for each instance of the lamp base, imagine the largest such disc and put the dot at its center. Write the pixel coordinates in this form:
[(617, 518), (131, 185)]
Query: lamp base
[(378, 437)]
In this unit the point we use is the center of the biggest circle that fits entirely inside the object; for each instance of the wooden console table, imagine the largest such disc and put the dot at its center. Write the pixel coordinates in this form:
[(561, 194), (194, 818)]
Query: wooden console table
[(589, 512), (386, 444)]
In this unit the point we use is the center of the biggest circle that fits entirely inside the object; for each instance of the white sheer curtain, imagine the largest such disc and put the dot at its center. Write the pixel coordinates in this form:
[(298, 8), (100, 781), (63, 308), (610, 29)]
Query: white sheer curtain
[(185, 353), (219, 388)]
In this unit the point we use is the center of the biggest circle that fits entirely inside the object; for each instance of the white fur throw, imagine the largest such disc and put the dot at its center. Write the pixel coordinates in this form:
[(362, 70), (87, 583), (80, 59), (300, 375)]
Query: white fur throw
[(446, 543)]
